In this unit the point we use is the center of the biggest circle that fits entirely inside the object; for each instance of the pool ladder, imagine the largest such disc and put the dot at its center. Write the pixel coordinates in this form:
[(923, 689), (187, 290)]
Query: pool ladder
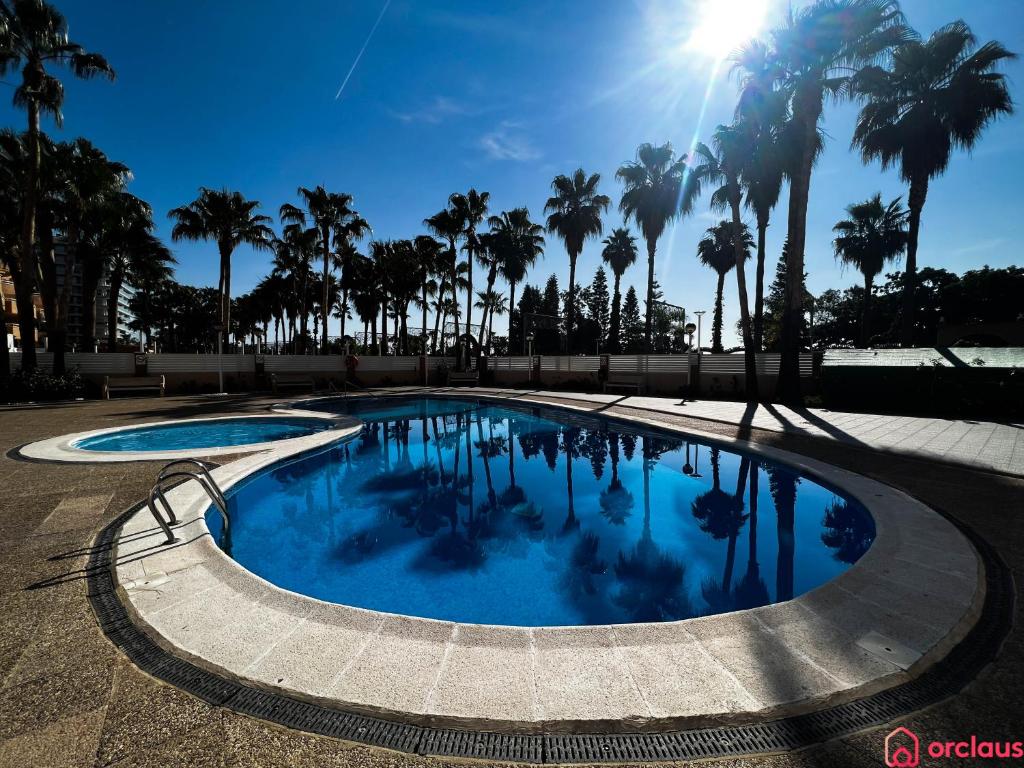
[(201, 474)]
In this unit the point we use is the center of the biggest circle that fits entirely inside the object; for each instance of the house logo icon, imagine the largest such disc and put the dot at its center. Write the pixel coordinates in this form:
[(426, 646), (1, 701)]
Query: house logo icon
[(902, 749)]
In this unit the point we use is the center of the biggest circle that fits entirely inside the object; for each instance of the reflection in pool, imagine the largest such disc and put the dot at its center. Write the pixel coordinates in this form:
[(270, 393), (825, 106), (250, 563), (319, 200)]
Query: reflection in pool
[(481, 513)]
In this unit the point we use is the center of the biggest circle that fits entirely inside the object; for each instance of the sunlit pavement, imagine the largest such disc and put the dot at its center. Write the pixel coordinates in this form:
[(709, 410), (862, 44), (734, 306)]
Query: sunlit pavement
[(69, 698)]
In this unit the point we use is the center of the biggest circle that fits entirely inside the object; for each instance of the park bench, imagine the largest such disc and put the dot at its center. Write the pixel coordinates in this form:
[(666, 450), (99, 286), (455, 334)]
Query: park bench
[(463, 378), (284, 380), (132, 384), (633, 382)]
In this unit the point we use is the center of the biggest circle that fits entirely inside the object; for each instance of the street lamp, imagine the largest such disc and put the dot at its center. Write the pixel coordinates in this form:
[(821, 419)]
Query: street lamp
[(700, 314)]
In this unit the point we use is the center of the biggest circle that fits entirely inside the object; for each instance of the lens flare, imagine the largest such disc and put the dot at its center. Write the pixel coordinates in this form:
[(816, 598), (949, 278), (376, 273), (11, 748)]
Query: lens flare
[(723, 25)]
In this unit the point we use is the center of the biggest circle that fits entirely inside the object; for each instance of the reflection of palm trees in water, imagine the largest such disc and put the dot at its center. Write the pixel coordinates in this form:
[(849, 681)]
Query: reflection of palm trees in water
[(849, 530), (616, 501), (652, 581), (571, 449), (721, 516), (782, 484), (751, 591)]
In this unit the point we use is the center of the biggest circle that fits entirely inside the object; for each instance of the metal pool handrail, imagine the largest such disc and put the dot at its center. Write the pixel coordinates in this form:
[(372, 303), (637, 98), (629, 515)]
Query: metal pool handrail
[(205, 479)]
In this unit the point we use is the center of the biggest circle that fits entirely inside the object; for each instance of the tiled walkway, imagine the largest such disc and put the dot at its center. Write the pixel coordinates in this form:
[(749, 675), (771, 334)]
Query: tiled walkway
[(69, 698)]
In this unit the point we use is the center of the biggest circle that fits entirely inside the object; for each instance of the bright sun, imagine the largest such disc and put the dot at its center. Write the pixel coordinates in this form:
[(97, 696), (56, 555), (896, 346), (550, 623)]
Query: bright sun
[(724, 25)]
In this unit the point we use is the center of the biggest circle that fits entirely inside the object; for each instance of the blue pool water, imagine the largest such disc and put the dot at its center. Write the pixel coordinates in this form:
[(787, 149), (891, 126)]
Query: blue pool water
[(203, 434), (479, 513)]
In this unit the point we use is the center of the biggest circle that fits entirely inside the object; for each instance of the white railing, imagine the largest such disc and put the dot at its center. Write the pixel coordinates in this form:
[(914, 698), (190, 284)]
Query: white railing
[(303, 363), (521, 363), (87, 362), (733, 364), (167, 362)]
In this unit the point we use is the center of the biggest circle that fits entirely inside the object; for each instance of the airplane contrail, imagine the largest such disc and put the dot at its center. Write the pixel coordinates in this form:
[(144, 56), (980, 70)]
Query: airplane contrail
[(362, 50)]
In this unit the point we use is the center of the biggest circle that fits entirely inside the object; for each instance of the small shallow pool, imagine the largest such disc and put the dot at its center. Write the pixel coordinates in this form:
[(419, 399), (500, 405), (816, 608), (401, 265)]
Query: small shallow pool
[(480, 513), (206, 433)]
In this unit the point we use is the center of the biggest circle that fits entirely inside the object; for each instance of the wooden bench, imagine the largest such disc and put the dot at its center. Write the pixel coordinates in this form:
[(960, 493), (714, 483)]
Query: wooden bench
[(279, 380), (132, 384), (634, 382), (463, 378)]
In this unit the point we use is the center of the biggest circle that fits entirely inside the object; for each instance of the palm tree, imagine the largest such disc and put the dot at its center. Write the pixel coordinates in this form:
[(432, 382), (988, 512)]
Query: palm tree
[(230, 220), (939, 95), (651, 196), (873, 235), (723, 167), (83, 181), (136, 255), (328, 212), (447, 225), (470, 209), (715, 250), (763, 109), (517, 243), (815, 52), (619, 254), (427, 251), (34, 34), (574, 214), (294, 252)]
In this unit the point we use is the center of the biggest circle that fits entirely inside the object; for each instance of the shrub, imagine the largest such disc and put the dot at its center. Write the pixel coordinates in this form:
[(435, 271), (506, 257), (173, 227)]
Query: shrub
[(38, 385)]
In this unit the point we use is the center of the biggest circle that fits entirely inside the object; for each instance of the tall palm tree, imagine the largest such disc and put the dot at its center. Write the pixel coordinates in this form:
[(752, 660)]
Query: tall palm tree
[(470, 209), (34, 34), (619, 254), (83, 181), (651, 196), (574, 214), (873, 235), (722, 168), (294, 253), (715, 250), (763, 109), (447, 225), (517, 243), (816, 49), (327, 212), (939, 95), (428, 252), (230, 220)]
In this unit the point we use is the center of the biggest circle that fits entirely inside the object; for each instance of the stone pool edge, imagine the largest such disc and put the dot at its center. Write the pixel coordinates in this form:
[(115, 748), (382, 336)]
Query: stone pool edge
[(602, 649)]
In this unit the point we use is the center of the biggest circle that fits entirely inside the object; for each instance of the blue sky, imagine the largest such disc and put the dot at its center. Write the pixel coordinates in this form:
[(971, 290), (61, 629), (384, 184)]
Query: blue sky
[(499, 96)]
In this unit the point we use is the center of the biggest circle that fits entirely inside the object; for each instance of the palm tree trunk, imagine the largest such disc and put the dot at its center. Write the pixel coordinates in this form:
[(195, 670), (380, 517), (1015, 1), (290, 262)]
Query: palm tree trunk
[(749, 353), (423, 340), (383, 348), (614, 346), (762, 227), (325, 235), (344, 311), (469, 300), (511, 314), (491, 275), (915, 202), (807, 110), (27, 252), (437, 318), (716, 321), (570, 320), (225, 287), (116, 281), (865, 316), (649, 319)]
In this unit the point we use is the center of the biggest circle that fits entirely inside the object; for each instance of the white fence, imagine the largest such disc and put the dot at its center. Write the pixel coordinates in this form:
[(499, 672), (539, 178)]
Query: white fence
[(734, 364)]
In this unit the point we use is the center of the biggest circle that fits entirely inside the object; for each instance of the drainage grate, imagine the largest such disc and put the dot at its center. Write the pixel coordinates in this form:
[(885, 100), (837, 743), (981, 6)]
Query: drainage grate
[(946, 678)]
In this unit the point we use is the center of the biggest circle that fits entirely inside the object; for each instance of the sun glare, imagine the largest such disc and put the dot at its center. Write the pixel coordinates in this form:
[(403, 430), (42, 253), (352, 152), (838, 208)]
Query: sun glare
[(724, 25)]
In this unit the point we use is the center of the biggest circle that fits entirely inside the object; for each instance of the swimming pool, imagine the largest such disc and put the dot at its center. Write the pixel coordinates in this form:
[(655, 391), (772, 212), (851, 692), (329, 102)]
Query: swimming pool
[(203, 433), (480, 513)]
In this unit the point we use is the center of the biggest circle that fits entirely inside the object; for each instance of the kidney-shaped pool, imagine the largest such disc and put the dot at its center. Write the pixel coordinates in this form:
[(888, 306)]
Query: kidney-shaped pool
[(479, 513)]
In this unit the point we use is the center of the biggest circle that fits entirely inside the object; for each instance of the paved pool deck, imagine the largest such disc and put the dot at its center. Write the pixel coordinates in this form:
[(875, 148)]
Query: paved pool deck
[(67, 696)]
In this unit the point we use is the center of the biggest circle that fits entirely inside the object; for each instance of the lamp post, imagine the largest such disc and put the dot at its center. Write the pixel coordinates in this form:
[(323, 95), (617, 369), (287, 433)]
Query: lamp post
[(700, 314)]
